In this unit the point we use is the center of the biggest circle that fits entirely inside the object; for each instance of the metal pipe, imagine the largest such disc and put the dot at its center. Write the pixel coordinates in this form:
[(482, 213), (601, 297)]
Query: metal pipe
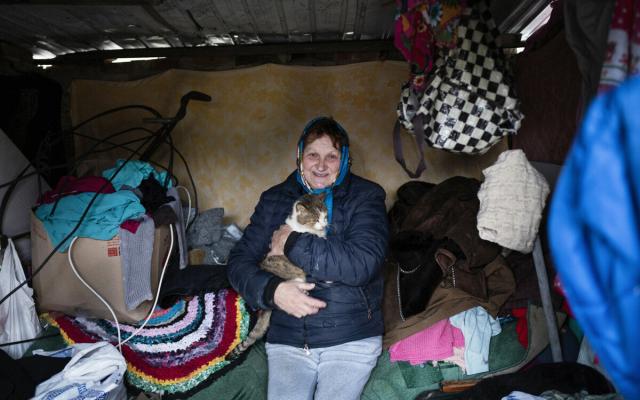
[(545, 296)]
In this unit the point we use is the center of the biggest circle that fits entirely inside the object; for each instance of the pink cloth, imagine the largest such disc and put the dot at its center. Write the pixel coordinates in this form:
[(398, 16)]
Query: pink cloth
[(71, 185), (131, 225), (457, 358), (431, 344)]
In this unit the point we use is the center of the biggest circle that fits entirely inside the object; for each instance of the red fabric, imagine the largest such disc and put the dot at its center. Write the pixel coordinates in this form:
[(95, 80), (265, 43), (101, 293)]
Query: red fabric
[(557, 287), (130, 225), (71, 185), (521, 326)]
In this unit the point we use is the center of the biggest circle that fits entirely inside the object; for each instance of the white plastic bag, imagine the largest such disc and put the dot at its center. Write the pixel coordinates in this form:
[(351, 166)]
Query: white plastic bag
[(18, 317), (95, 371)]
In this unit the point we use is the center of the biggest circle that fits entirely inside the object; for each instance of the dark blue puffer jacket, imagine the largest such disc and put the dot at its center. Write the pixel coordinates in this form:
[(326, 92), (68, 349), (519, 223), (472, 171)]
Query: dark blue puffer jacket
[(346, 266)]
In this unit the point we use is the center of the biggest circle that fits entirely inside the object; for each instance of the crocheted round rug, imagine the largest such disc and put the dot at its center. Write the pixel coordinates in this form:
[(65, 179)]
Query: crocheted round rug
[(180, 348)]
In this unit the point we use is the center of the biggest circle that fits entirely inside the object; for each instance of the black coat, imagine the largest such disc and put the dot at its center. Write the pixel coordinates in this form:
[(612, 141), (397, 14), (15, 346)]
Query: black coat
[(346, 266)]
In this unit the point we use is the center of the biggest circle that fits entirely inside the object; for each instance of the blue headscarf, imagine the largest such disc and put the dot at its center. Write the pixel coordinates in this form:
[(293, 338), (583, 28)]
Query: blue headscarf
[(344, 164)]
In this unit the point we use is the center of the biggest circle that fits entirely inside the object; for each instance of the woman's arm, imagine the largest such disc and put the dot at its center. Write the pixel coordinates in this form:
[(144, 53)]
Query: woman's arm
[(248, 279), (355, 255)]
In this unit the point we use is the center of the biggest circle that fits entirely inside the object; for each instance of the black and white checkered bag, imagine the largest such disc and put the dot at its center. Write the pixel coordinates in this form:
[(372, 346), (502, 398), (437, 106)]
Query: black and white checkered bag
[(469, 104)]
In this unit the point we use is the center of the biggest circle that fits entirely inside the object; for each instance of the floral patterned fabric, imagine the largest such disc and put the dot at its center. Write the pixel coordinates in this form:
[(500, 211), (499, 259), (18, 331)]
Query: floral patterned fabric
[(623, 45), (422, 26)]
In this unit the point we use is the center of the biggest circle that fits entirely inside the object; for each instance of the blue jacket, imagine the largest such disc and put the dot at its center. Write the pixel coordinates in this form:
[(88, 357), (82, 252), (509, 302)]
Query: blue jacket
[(594, 230), (350, 257)]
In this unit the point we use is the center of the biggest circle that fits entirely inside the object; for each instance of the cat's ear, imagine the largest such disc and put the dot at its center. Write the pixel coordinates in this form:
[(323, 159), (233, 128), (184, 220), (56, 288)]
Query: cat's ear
[(321, 196), (300, 207)]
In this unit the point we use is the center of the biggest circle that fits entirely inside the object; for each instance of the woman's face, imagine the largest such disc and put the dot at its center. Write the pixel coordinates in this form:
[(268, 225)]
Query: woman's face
[(320, 163)]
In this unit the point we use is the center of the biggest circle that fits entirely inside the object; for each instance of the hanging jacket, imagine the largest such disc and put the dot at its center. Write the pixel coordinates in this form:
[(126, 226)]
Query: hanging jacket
[(346, 266), (594, 230)]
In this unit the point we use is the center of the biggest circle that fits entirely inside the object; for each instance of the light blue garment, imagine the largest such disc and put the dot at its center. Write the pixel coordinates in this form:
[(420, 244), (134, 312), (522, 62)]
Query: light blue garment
[(326, 373), (134, 172), (477, 327), (594, 230), (101, 222), (516, 395)]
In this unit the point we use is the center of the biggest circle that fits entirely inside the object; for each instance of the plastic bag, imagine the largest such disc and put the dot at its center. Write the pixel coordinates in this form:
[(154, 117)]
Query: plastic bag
[(95, 371), (18, 317)]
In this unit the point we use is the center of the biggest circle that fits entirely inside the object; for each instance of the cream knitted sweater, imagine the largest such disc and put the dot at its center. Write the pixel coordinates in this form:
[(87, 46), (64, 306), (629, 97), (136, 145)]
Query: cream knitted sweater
[(512, 197)]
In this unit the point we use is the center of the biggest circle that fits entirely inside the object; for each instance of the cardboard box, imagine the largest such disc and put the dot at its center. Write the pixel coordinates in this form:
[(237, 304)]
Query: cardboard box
[(57, 288)]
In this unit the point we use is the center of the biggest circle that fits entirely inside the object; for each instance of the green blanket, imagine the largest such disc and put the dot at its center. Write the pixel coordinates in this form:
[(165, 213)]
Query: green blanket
[(389, 381)]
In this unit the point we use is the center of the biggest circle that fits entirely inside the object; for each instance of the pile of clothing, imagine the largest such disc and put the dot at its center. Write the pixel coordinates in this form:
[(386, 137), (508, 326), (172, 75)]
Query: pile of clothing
[(447, 279)]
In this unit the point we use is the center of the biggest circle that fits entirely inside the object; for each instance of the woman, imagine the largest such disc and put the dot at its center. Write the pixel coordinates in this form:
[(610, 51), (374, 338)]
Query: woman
[(325, 334)]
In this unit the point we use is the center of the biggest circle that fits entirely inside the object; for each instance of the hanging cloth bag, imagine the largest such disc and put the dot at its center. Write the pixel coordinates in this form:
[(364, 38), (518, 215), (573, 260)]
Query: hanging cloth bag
[(469, 104), (18, 317)]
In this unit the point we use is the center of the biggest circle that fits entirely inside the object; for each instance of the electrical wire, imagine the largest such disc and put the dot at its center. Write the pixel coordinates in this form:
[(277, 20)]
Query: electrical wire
[(165, 130), (106, 303), (188, 199), (193, 186), (70, 234)]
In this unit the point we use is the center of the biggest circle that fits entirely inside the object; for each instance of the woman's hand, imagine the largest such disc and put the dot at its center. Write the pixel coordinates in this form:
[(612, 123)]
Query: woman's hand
[(278, 239), (291, 297)]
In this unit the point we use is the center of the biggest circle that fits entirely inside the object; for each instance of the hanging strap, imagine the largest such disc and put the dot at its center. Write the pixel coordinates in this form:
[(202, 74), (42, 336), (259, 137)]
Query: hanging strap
[(418, 134)]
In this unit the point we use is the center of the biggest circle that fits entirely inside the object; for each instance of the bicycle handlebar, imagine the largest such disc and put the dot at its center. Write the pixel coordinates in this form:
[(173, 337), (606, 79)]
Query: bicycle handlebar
[(196, 96), (166, 130)]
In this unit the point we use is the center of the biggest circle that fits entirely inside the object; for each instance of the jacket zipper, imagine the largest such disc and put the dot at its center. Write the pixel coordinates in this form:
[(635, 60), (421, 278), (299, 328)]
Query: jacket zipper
[(366, 302), (304, 336)]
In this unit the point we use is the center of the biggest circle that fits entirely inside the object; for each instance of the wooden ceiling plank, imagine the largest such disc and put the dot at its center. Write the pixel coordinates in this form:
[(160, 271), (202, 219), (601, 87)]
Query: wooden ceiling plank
[(93, 34), (238, 50), (311, 5), (235, 17), (106, 3), (127, 43), (159, 18), (172, 10), (86, 24), (35, 22), (297, 16), (344, 10), (249, 14), (282, 17), (378, 20), (9, 36), (329, 15), (266, 17), (361, 10)]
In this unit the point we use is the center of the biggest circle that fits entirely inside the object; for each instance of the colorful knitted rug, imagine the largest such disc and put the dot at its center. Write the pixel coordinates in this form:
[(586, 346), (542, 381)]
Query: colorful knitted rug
[(179, 349)]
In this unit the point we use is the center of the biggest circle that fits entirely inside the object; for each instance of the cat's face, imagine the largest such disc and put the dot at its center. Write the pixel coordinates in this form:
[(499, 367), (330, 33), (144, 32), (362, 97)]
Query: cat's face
[(310, 214)]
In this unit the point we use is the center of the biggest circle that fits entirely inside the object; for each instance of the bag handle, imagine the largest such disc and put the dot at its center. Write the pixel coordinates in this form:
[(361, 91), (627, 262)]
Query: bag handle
[(418, 130)]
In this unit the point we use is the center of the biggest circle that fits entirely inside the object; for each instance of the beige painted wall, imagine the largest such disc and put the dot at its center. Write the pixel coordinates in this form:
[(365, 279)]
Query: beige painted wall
[(243, 141)]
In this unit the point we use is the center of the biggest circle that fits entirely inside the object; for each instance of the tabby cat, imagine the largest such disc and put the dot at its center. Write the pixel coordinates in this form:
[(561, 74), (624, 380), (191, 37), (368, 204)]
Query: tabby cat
[(309, 215)]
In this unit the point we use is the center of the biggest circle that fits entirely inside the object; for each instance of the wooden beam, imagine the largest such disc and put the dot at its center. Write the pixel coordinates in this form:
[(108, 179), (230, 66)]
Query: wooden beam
[(509, 40), (80, 2), (352, 46)]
